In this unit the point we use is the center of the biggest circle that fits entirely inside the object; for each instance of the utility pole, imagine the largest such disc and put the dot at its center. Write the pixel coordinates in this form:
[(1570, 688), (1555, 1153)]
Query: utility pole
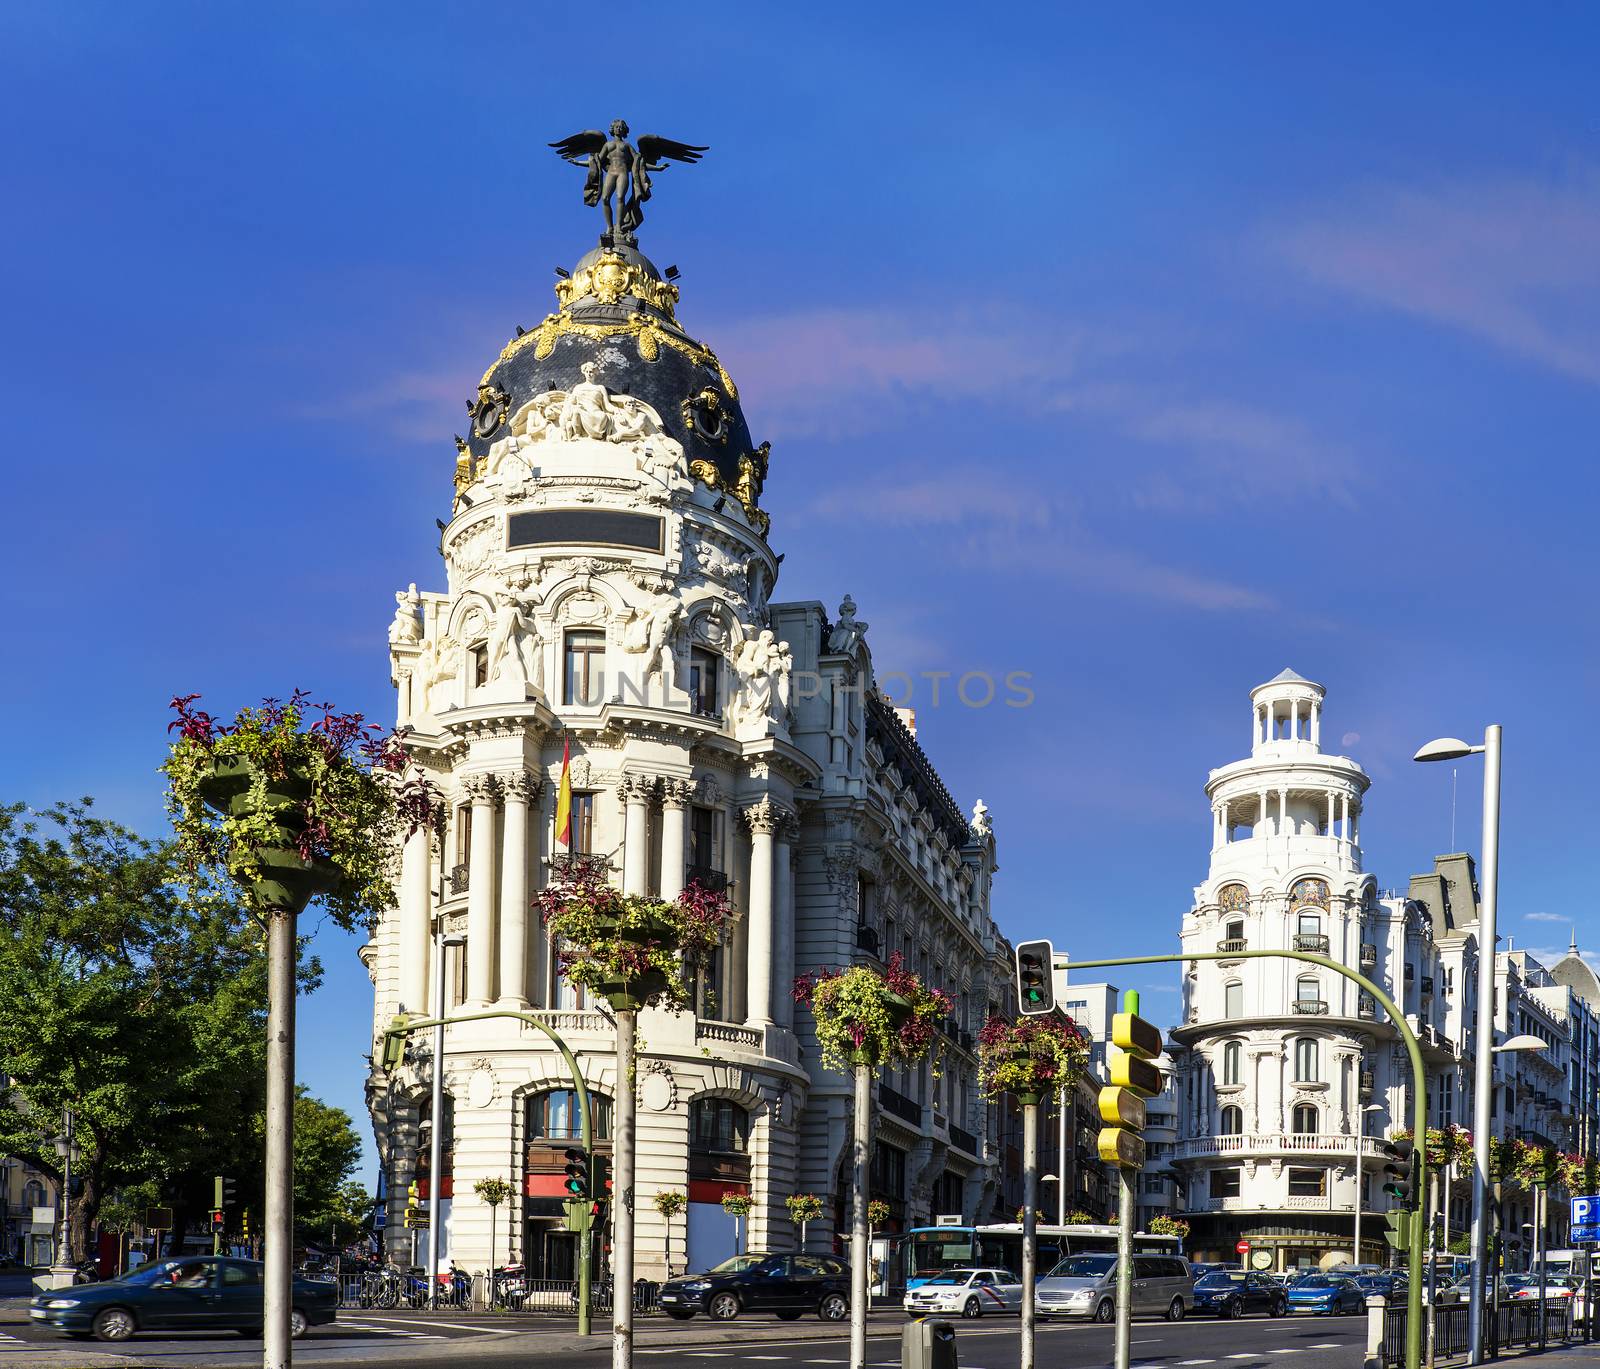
[(861, 1141), (278, 1224), (1030, 1222), (622, 1195), (436, 1126)]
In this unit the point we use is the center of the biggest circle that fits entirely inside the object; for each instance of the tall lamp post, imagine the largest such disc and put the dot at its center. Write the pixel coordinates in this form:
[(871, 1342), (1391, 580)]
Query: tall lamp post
[(1361, 1150), (1061, 1196), (436, 1127), (64, 1272), (1449, 749)]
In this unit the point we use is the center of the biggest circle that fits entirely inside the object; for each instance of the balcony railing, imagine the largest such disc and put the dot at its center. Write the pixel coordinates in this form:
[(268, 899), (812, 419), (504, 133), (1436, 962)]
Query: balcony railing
[(866, 938), (1314, 942), (1310, 1007), (712, 881), (1266, 1143), (1427, 986), (1231, 944), (730, 1033), (1369, 953), (893, 1101), (962, 1139), (1368, 1083), (1365, 1007)]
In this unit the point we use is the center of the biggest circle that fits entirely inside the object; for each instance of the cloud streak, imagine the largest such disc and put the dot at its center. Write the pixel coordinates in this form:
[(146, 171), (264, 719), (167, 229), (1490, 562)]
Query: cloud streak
[(1513, 262)]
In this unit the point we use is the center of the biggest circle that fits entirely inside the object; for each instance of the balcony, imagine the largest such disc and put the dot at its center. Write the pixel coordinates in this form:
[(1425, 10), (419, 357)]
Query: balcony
[(866, 938), (962, 1139), (1369, 954), (1313, 942), (1366, 1008), (897, 1104), (1427, 986), (1368, 1083), (458, 879), (1266, 1143), (712, 881), (729, 1034), (1232, 945), (1310, 1007)]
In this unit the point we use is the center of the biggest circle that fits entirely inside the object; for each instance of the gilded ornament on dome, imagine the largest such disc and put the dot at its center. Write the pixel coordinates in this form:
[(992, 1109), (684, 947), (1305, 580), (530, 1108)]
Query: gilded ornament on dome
[(704, 415), (612, 278), (650, 337), (1312, 892), (489, 409)]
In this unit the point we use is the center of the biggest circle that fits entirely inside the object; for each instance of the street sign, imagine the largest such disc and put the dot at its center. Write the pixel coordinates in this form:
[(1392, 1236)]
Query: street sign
[(417, 1218), (1120, 1147), (1586, 1219), (1243, 1247)]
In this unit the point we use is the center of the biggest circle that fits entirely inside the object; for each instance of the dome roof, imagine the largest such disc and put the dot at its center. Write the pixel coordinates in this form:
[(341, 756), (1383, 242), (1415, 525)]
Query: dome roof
[(619, 312)]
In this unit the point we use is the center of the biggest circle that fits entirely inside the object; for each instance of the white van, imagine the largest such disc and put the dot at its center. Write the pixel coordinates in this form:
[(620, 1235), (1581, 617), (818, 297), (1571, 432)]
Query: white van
[(1086, 1286)]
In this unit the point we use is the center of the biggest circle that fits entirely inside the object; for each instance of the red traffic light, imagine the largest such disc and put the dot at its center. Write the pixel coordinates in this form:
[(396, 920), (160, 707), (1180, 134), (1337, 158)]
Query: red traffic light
[(216, 1221)]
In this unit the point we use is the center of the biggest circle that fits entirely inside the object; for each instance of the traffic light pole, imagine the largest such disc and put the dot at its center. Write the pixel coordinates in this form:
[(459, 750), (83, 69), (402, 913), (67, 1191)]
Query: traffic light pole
[(1030, 1220), (623, 1111), (1419, 1097), (585, 1124)]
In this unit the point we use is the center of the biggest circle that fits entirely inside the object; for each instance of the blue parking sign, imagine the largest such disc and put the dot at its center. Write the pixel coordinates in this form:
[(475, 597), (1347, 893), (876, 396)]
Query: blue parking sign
[(1586, 1219)]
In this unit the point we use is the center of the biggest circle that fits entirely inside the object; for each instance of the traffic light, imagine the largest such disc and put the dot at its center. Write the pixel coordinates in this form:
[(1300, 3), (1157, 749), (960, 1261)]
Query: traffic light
[(224, 1192), (244, 1222), (1399, 1171), (412, 1189), (217, 1219), (394, 1042), (577, 1183), (1399, 1233), (1036, 990), (1133, 1079)]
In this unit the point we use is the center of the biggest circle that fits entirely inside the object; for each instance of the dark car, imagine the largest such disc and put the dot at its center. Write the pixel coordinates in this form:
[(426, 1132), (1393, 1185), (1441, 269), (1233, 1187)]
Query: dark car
[(788, 1286), (1233, 1293), (198, 1293)]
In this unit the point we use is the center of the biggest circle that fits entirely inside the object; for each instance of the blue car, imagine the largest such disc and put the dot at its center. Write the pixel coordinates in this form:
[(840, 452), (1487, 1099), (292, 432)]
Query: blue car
[(1327, 1295)]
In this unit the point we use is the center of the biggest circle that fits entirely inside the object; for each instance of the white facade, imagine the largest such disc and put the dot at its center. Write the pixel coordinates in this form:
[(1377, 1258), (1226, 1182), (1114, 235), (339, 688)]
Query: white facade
[(607, 582)]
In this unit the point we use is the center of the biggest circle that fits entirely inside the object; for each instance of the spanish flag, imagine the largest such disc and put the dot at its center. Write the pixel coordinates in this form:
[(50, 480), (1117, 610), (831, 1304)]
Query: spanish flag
[(564, 795)]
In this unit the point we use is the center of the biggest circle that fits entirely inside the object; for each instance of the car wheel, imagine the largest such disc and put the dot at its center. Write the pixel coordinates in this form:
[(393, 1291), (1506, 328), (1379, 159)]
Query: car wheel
[(297, 1323), (1105, 1312), (1280, 1308), (834, 1307), (1175, 1310), (678, 1313), (1228, 1310), (724, 1307), (970, 1309), (115, 1323)]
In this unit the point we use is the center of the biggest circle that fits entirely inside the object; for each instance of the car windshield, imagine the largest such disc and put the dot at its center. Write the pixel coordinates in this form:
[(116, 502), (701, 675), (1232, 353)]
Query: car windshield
[(1220, 1280), (960, 1278), (149, 1274), (1083, 1267), (1314, 1281), (737, 1265)]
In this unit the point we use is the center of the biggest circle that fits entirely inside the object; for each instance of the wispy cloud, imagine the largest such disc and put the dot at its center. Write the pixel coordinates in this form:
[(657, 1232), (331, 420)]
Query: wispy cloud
[(1546, 917), (1513, 261)]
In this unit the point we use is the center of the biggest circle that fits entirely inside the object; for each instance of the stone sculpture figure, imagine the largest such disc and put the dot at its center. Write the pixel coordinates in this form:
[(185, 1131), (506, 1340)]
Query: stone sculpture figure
[(406, 628), (763, 667), (618, 177), (588, 410), (848, 631), (651, 632), (513, 635)]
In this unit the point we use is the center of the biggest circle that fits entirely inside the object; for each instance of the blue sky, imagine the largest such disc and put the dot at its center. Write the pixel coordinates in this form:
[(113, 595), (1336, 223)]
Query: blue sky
[(1146, 353)]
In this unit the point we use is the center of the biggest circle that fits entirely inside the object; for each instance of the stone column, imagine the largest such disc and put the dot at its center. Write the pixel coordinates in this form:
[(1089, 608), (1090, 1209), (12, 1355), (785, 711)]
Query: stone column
[(783, 922), (482, 790), (675, 796), (521, 790), (1316, 725), (1344, 817), (1283, 812), (762, 819), (416, 908), (636, 792)]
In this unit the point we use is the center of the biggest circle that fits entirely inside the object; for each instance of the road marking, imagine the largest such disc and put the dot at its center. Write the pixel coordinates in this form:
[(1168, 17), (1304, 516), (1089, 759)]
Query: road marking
[(1196, 1361), (1286, 1350), (450, 1325), (1330, 1345)]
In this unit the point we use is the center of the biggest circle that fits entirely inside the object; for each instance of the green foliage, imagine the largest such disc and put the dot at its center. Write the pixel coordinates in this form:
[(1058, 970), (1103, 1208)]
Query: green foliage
[(1078, 1217), (1039, 1055), (804, 1207), (1462, 1244), (877, 1212), (332, 793), (669, 1202), (867, 1016), (736, 1204), (326, 1153), (141, 1008), (1164, 1225), (493, 1191)]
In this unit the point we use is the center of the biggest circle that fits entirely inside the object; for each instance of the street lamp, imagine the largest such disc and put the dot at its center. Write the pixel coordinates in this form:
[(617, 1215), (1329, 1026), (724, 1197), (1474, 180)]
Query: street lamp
[(1361, 1150), (64, 1271), (436, 1128), (1449, 749), (1525, 1042)]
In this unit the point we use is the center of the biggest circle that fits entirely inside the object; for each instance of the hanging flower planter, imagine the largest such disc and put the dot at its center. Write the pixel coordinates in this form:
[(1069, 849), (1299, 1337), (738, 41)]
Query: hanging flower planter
[(865, 1017), (288, 814), (630, 949), (1164, 1225), (1035, 1058)]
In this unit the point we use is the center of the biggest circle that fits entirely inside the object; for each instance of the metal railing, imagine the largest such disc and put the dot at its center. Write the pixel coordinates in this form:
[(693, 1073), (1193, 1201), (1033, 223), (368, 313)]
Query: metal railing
[(1310, 1007), (962, 1139), (906, 1109), (1369, 953), (1228, 945), (1515, 1325), (1314, 942), (395, 1287)]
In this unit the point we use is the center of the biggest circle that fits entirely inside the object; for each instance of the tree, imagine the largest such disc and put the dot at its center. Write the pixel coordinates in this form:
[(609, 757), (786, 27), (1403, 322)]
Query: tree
[(326, 1153), (139, 1005)]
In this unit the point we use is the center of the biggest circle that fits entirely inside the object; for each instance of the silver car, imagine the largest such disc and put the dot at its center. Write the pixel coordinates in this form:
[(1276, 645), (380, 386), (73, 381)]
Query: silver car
[(966, 1293), (1086, 1286)]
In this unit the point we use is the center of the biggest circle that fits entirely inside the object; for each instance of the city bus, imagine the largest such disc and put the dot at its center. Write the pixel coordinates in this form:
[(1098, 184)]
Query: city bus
[(929, 1250)]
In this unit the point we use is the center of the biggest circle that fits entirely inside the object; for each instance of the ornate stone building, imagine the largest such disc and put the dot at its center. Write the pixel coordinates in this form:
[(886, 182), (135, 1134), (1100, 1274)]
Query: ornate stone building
[(607, 583)]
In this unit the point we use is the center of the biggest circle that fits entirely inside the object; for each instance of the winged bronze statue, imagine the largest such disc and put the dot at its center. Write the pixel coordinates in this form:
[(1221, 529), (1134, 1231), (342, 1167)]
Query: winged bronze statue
[(620, 172)]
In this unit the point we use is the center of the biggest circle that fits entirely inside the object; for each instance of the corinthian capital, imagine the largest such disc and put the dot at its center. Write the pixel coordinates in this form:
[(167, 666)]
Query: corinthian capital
[(480, 788), (764, 816), (636, 788), (676, 793), (520, 785)]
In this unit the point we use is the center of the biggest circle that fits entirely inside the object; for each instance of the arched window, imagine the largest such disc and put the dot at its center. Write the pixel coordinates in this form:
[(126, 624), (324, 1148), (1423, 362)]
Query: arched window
[(1304, 1119), (1307, 1070), (1233, 999), (554, 1116), (33, 1194), (1230, 1122), (1230, 1063), (718, 1126), (1308, 989)]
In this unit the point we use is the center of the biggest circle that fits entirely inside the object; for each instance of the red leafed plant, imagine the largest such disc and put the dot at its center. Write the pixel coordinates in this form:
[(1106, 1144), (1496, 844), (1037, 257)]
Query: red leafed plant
[(1043, 1054), (865, 1016)]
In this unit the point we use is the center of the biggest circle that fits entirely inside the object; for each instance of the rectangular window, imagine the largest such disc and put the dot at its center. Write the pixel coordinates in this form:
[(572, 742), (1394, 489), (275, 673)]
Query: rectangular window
[(703, 698), (583, 674), (1308, 1183), (456, 971), (1233, 1001), (705, 838), (480, 666), (463, 834), (582, 843), (888, 1171), (1224, 1183)]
